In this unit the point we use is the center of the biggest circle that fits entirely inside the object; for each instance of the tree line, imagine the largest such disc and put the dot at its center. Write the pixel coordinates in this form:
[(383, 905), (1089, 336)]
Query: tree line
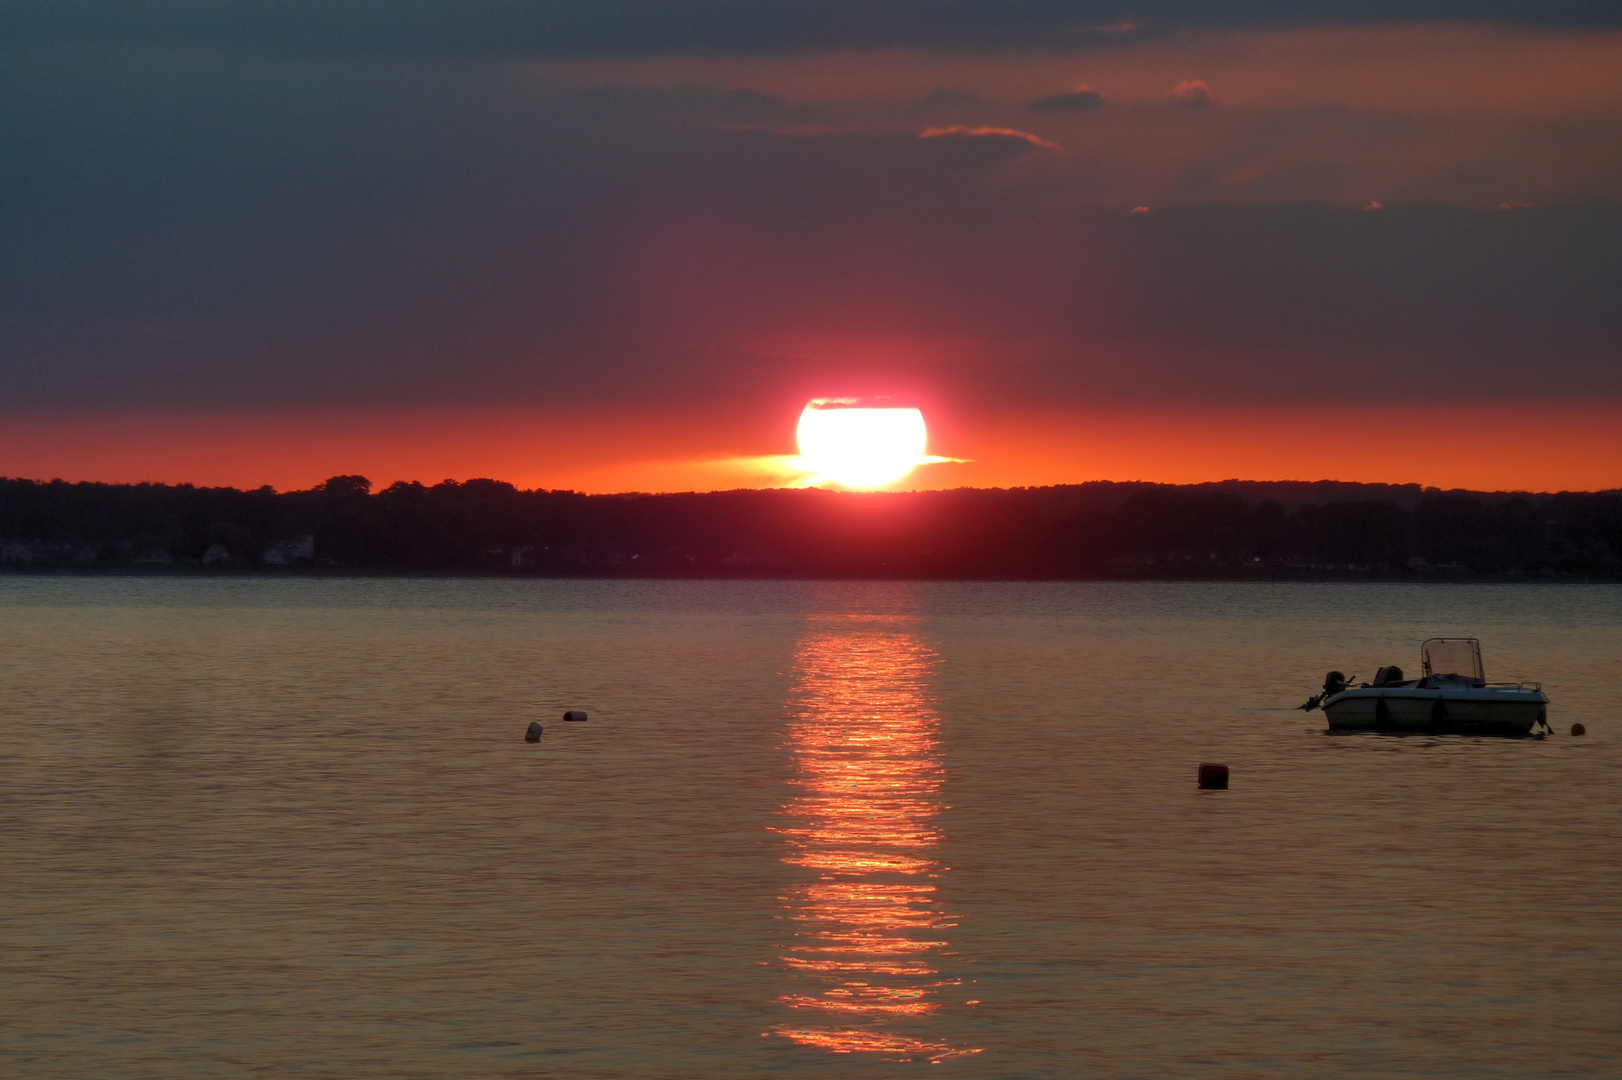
[(1098, 530)]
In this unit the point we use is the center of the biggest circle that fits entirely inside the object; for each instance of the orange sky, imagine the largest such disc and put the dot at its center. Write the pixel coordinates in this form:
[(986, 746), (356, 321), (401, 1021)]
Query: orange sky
[(1535, 447)]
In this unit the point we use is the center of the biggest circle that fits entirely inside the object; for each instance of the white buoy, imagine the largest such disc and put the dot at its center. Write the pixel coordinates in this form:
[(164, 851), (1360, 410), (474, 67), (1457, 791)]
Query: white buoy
[(574, 715)]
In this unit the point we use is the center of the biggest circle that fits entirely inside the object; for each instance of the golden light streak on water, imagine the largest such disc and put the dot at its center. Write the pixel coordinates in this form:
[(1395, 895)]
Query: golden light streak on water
[(867, 929)]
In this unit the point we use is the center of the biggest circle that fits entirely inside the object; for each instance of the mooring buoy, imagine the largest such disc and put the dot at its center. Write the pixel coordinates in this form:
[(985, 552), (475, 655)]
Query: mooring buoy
[(1213, 777), (534, 732), (1578, 729), (574, 715)]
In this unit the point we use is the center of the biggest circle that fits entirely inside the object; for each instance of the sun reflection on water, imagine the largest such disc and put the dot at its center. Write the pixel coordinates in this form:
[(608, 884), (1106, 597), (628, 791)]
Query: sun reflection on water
[(866, 931)]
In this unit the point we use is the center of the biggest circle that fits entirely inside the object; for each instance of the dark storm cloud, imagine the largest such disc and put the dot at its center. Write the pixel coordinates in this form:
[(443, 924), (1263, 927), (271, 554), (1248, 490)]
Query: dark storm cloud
[(190, 229), (644, 27)]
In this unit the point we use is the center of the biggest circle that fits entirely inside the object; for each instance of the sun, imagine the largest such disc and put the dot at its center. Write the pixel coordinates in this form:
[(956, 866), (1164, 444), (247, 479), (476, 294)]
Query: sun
[(858, 443)]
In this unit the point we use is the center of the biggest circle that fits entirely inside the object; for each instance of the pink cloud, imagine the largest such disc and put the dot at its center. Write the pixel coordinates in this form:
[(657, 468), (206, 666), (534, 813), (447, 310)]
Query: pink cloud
[(958, 131), (1191, 94)]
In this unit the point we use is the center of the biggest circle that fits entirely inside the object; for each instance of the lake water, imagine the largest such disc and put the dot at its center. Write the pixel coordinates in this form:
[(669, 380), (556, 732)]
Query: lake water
[(810, 829)]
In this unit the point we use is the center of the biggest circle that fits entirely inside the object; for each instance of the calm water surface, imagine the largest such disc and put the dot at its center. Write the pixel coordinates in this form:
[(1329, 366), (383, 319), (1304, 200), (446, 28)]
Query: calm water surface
[(292, 827)]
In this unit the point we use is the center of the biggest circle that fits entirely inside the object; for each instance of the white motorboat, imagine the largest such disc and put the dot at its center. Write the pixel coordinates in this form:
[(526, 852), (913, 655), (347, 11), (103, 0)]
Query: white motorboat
[(1452, 697)]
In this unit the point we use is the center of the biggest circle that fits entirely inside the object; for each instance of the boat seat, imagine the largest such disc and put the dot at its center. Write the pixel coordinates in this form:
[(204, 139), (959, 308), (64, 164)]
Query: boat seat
[(1390, 675)]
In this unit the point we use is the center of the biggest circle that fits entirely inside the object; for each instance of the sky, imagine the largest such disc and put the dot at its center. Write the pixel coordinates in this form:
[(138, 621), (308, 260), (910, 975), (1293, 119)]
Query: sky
[(618, 245)]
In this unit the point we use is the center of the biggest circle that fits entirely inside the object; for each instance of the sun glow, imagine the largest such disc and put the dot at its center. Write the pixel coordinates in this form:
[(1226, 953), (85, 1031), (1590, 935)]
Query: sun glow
[(855, 444)]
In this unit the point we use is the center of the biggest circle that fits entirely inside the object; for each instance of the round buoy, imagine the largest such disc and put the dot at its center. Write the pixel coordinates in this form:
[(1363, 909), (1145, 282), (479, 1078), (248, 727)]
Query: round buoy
[(1578, 729), (534, 732), (574, 715), (1213, 777)]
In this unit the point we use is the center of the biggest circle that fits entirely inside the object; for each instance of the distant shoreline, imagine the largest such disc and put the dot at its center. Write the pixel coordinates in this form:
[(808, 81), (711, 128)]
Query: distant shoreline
[(195, 572), (1231, 531)]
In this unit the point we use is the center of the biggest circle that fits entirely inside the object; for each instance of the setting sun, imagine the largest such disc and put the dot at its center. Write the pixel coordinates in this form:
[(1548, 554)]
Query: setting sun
[(844, 441)]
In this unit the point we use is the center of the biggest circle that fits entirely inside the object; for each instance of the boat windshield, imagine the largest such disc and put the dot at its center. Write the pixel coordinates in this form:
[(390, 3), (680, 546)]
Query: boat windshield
[(1453, 656)]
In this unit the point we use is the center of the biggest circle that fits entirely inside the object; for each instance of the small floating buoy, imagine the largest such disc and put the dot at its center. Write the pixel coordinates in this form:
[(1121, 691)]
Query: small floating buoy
[(534, 732), (1213, 777), (574, 715), (1578, 729)]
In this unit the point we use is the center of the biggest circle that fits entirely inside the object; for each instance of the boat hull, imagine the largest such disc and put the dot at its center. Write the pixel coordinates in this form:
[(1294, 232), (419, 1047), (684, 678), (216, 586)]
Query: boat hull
[(1456, 711)]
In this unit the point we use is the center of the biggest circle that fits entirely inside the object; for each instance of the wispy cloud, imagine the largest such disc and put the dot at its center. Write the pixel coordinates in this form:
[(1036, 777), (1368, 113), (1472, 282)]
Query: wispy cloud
[(959, 131), (1081, 99)]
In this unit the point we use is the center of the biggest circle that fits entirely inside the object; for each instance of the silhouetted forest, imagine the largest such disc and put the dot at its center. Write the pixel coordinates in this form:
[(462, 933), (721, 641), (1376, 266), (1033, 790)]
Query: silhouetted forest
[(1097, 530)]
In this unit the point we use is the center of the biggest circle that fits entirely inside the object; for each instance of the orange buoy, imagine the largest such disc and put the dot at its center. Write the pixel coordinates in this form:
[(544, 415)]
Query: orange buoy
[(1578, 729), (1213, 777), (534, 732)]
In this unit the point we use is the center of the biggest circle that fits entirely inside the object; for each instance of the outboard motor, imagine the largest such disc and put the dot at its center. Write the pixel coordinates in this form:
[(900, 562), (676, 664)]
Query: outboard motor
[(1334, 683)]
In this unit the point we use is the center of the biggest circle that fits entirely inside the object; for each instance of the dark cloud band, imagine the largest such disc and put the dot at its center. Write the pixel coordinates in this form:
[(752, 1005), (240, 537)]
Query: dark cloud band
[(668, 27), (184, 228)]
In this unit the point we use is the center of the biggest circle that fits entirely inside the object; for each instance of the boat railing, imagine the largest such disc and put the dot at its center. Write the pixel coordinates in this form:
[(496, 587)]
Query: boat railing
[(1513, 684)]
